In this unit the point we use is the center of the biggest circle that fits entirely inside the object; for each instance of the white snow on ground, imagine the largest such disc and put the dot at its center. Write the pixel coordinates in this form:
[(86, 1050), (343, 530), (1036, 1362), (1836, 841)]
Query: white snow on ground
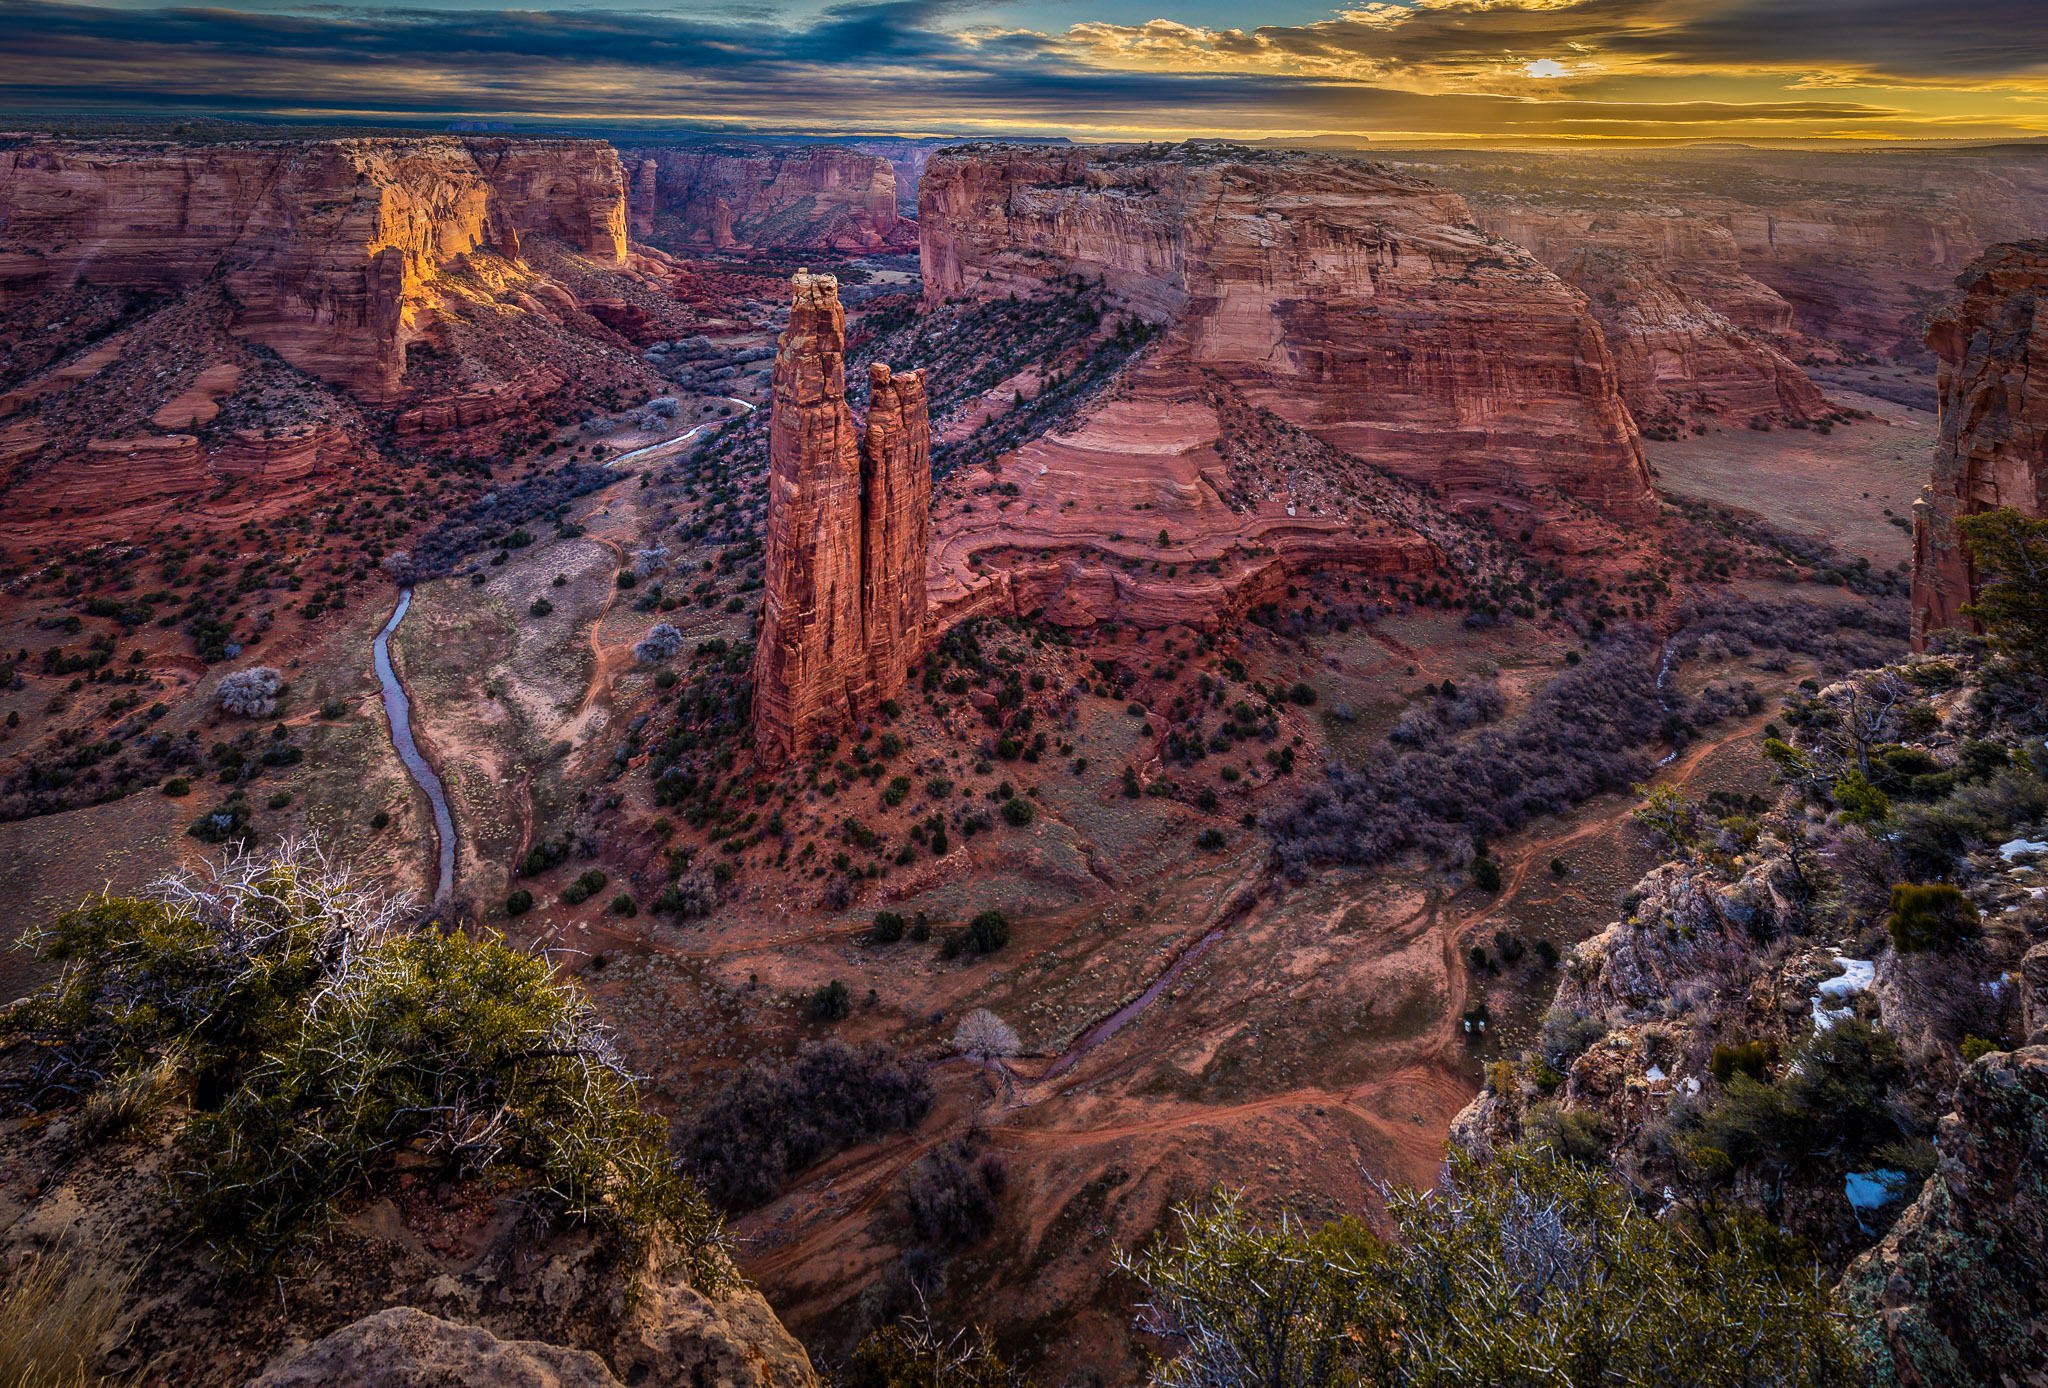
[(2012, 848), (1857, 975), (1655, 1074)]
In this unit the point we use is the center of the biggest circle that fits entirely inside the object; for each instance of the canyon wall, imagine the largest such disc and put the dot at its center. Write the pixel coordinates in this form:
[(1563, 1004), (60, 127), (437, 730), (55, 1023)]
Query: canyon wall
[(1361, 305), (1685, 322), (766, 197), (327, 247), (1992, 447), (848, 523)]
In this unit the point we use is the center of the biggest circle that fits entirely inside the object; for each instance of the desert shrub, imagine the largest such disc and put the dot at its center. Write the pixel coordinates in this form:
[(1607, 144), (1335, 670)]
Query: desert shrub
[(828, 1002), (1519, 1269), (771, 1122), (887, 929), (951, 1193), (588, 884), (1574, 742), (539, 607), (1975, 1048), (1579, 1135), (178, 786), (1751, 1058), (661, 642), (519, 903), (1486, 874), (907, 1354), (230, 822), (1928, 841), (1841, 637), (1933, 917), (692, 894), (325, 1045), (1830, 1111), (1018, 811), (988, 932), (1565, 1034), (334, 709), (251, 693), (624, 905)]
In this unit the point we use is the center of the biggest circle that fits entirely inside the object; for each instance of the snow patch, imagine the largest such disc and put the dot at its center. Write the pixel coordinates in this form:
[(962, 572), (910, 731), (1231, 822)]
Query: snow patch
[(2012, 848), (1856, 976)]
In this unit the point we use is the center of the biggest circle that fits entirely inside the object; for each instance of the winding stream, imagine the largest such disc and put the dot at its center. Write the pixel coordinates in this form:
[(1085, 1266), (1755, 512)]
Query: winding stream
[(398, 710), (398, 707)]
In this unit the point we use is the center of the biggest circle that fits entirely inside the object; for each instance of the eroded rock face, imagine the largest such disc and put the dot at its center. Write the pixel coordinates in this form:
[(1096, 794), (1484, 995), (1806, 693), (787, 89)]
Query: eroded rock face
[(1992, 448), (1956, 1292), (1361, 305), (407, 1348), (749, 196), (1683, 319), (848, 529), (328, 246)]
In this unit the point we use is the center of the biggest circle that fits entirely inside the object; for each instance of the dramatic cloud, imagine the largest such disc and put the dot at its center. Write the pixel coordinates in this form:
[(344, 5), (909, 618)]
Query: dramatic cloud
[(1519, 68)]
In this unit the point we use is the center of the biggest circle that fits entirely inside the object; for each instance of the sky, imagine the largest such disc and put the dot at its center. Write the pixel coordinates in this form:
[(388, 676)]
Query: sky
[(1388, 70)]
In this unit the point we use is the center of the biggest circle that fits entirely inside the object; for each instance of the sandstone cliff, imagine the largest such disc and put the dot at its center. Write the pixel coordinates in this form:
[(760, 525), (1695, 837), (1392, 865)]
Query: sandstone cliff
[(1992, 448), (848, 524), (763, 197), (1683, 319), (1361, 305), (327, 247)]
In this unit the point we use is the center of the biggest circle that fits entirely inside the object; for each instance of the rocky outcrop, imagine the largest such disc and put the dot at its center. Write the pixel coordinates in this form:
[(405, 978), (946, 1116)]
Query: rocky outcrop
[(1992, 448), (1957, 1292), (328, 247), (407, 1348), (843, 613), (1683, 319), (767, 197), (1359, 304)]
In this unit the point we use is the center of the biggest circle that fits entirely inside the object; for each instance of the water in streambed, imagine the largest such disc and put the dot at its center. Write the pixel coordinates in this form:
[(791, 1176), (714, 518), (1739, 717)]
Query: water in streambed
[(398, 710)]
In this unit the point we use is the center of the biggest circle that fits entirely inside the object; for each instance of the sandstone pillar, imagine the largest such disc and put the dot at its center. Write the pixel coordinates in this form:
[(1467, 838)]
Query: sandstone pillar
[(810, 638), (1991, 448), (849, 528), (896, 524)]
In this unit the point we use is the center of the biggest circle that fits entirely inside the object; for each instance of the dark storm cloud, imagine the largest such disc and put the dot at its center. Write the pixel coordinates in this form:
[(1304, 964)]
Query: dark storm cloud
[(892, 61)]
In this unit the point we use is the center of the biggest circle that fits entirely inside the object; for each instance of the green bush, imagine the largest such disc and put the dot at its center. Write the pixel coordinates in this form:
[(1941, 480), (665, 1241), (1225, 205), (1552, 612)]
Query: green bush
[(540, 607), (888, 928), (1301, 693), (1522, 1269), (381, 820), (178, 786), (1975, 1048), (1486, 874), (519, 903), (299, 1111), (587, 885), (1934, 917), (987, 933), (1019, 811), (624, 905), (1751, 1058), (1210, 840), (828, 1002), (333, 709)]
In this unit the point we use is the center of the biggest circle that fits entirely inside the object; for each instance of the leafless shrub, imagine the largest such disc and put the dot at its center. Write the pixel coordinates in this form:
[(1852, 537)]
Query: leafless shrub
[(647, 562), (771, 1122), (661, 642), (250, 693), (951, 1193)]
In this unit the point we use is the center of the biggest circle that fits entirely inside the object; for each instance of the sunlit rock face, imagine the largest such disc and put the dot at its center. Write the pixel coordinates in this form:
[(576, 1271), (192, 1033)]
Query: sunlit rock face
[(1361, 305), (330, 248), (1992, 447), (848, 528)]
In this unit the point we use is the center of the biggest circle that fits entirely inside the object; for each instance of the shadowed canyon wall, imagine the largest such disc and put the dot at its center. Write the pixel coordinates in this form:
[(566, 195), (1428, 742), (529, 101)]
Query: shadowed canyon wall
[(848, 528), (766, 197), (1361, 305), (326, 246), (1992, 448)]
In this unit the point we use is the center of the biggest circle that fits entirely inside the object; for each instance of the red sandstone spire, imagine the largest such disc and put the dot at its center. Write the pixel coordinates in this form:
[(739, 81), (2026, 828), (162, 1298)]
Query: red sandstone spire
[(848, 531)]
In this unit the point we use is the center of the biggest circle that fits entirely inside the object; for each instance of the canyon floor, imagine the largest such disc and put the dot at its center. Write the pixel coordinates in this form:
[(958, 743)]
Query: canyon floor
[(1189, 1022)]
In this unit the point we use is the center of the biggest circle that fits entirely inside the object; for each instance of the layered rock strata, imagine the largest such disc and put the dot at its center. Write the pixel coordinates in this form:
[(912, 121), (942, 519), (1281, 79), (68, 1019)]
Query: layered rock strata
[(1992, 446), (327, 247), (1685, 322), (767, 197), (847, 533), (1361, 305)]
